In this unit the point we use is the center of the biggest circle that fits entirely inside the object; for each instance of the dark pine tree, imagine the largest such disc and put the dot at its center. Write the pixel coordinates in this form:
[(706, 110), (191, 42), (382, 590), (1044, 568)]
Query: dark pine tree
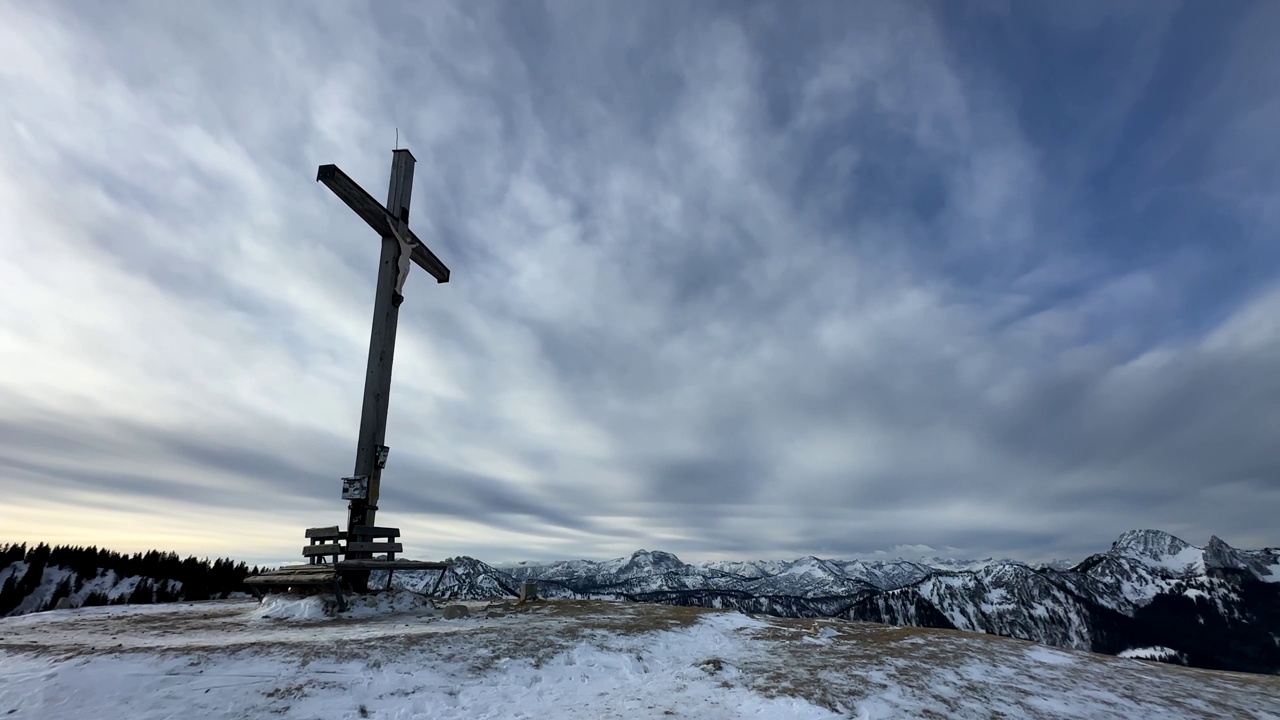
[(143, 593), (63, 590), (10, 596), (10, 554), (168, 576)]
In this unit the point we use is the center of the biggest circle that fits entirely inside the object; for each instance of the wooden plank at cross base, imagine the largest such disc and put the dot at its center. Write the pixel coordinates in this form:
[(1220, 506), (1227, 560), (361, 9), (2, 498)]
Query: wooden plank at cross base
[(374, 547), (365, 564), (295, 575), (298, 575), (324, 533), (371, 531)]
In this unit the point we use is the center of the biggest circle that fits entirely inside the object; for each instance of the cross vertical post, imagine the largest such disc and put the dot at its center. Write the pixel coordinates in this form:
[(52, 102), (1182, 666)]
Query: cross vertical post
[(401, 248), (382, 347)]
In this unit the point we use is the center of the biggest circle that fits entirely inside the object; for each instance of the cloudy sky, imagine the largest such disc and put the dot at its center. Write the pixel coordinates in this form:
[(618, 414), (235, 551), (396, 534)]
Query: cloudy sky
[(729, 279)]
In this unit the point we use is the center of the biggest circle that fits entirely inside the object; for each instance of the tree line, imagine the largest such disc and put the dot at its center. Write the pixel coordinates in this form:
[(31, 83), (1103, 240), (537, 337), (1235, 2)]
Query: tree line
[(166, 577)]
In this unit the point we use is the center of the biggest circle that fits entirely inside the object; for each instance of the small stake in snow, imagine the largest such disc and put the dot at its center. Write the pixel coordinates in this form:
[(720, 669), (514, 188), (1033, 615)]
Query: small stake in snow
[(528, 592)]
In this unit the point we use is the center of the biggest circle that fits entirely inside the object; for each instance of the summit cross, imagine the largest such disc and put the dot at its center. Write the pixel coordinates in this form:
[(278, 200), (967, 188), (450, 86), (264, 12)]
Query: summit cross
[(400, 247)]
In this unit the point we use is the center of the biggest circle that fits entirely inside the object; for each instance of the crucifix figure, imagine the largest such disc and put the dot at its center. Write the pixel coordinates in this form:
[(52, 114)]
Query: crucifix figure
[(399, 247)]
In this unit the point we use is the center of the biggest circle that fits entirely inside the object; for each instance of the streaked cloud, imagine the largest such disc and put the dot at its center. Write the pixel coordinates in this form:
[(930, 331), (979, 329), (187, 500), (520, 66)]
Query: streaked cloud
[(733, 282)]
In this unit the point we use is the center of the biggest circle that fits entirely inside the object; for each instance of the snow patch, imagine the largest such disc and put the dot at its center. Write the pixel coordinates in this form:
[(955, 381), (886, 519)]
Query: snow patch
[(292, 608), (1188, 560), (297, 608), (1050, 657), (39, 597), (822, 637), (1157, 652)]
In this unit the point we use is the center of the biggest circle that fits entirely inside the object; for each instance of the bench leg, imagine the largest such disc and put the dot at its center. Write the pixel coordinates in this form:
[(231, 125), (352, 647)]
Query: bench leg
[(436, 585), (389, 572), (337, 594)]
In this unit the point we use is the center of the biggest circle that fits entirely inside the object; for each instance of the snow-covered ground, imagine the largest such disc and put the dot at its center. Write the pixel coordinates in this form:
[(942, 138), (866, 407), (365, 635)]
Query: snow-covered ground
[(396, 657)]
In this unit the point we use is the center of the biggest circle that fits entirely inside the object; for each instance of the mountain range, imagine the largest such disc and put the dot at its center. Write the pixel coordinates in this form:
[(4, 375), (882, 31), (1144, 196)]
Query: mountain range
[(1150, 595)]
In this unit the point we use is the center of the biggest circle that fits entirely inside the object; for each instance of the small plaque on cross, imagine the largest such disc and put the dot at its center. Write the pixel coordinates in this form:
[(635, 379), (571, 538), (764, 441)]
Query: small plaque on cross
[(355, 488)]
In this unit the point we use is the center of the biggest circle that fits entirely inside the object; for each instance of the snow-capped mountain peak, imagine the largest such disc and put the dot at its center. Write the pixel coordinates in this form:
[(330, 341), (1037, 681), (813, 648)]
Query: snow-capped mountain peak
[(954, 564), (1155, 545), (656, 560), (1171, 557), (1219, 556), (813, 566)]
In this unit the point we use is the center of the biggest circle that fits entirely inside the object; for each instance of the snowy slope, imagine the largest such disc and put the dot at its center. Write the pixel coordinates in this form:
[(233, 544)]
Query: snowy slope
[(107, 583), (1214, 607), (1010, 599), (567, 660)]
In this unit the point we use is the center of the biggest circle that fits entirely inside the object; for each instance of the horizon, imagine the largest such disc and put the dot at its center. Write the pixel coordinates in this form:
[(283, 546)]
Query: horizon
[(921, 554), (727, 280)]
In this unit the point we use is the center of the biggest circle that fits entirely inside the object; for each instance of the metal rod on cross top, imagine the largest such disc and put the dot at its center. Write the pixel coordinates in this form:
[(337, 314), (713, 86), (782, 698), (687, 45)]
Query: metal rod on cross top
[(400, 246)]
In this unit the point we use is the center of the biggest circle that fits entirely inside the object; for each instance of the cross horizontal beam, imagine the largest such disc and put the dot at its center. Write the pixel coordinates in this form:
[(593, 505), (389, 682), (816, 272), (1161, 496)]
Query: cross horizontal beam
[(378, 217)]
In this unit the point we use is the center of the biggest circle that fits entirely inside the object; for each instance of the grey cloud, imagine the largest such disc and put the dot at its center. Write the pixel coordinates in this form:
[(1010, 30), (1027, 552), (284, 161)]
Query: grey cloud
[(481, 498), (79, 454), (284, 468)]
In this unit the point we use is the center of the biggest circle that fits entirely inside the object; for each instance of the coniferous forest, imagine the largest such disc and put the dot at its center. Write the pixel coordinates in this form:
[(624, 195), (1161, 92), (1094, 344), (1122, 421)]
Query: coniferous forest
[(37, 578)]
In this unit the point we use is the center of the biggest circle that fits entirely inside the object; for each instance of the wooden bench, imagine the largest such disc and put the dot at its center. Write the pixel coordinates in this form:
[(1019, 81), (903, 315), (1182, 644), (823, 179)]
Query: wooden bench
[(366, 537), (299, 575), (362, 543), (366, 540), (326, 542), (390, 566), (324, 567)]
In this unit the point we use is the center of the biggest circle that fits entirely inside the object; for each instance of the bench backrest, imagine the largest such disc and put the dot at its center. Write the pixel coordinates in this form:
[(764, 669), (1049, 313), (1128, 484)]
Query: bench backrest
[(327, 542), (365, 540), (325, 533)]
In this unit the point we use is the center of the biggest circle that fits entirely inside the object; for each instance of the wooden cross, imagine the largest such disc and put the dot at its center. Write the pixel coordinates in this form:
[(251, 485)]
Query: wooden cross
[(399, 247)]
